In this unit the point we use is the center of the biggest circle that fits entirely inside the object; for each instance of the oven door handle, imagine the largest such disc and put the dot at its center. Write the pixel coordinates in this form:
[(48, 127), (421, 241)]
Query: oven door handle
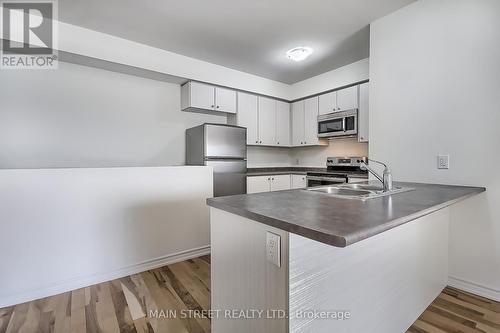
[(343, 124), (326, 179)]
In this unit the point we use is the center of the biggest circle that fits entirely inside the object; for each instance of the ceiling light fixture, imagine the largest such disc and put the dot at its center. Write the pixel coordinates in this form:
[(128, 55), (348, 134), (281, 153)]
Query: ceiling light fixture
[(299, 53)]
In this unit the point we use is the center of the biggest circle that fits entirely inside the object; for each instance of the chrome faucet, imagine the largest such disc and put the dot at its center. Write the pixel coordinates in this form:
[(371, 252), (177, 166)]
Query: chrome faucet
[(385, 179)]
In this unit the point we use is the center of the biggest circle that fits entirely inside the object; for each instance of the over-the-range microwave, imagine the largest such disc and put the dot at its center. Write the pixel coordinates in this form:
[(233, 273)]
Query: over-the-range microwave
[(341, 123)]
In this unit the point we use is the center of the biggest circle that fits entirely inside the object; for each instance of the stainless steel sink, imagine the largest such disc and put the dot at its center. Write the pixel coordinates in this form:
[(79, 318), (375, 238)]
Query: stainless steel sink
[(357, 191)]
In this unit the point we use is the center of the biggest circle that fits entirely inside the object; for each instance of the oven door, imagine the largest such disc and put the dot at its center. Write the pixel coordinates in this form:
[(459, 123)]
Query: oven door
[(338, 124), (313, 181)]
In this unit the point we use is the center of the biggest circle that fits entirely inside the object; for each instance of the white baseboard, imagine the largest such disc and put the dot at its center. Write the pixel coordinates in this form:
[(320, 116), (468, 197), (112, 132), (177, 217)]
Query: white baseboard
[(474, 288), (103, 277)]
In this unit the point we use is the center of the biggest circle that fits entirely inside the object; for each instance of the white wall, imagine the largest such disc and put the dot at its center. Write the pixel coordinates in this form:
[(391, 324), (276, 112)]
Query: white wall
[(434, 89), (306, 156), (63, 229), (80, 116), (316, 156), (355, 72)]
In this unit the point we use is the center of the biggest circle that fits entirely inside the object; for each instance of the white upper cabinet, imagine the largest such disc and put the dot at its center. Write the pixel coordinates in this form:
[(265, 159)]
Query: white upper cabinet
[(267, 121), (328, 102), (196, 96), (340, 100), (347, 98), (305, 123), (282, 124), (225, 100), (311, 121), (298, 123), (363, 113), (247, 116), (199, 95)]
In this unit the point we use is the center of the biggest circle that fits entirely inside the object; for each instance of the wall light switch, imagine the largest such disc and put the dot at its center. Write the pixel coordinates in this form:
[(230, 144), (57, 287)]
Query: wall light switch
[(443, 161), (273, 248)]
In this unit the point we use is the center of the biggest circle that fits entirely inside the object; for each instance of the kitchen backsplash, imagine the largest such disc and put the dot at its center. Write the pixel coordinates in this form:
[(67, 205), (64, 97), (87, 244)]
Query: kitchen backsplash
[(304, 156)]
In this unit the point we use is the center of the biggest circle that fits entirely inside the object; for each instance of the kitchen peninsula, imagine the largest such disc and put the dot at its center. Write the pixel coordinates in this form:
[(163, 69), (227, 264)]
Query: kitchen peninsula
[(310, 255)]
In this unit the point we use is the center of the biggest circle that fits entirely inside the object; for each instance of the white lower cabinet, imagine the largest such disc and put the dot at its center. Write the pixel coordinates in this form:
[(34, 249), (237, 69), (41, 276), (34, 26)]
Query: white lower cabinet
[(257, 184), (298, 181), (280, 182)]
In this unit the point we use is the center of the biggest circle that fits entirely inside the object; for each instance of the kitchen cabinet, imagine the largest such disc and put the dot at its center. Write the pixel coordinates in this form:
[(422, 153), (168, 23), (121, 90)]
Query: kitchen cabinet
[(305, 123), (282, 124), (298, 123), (363, 113), (267, 121), (327, 102), (202, 97), (298, 181), (347, 98), (311, 121), (340, 100), (225, 100), (280, 182), (247, 116), (258, 184)]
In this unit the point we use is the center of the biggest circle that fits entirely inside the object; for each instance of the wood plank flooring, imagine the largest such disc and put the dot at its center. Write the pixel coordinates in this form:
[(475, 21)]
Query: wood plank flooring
[(458, 311), (124, 305)]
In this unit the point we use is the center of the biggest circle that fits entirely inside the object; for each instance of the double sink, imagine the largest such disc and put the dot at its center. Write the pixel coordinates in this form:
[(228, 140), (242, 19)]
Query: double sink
[(357, 191)]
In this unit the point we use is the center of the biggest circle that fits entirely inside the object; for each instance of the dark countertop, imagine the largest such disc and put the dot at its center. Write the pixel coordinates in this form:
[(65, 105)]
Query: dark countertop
[(337, 221), (267, 171)]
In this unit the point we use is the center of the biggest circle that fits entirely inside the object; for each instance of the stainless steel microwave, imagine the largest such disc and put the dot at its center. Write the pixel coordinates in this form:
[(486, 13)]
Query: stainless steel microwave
[(343, 123)]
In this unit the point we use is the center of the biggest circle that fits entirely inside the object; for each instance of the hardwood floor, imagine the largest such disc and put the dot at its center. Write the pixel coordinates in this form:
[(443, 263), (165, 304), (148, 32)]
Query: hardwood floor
[(122, 305), (458, 311), (180, 289)]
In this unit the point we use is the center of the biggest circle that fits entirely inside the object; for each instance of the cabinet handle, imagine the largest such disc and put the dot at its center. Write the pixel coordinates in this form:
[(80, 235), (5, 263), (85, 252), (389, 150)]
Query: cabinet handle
[(278, 142), (212, 106), (272, 178), (305, 142), (338, 108), (260, 142), (217, 106), (256, 141)]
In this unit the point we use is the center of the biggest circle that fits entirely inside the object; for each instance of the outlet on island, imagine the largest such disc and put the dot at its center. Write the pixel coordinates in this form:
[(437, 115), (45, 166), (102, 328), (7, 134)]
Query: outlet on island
[(273, 248)]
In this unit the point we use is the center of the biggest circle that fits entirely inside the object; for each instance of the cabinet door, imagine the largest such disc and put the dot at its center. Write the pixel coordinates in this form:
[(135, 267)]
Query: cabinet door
[(311, 121), (280, 182), (257, 184), (247, 116), (299, 181), (282, 124), (363, 113), (225, 100), (347, 98), (298, 123), (267, 121), (328, 102), (202, 96)]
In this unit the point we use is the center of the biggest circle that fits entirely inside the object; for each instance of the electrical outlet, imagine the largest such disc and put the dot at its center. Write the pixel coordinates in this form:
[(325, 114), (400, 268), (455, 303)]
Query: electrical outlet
[(273, 248), (443, 161)]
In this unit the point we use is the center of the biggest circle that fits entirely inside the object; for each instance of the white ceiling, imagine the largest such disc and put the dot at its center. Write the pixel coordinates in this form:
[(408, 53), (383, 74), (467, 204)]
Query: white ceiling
[(247, 35)]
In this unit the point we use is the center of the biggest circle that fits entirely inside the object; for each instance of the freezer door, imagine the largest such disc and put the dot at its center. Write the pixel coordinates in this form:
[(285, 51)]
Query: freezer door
[(225, 141), (229, 176)]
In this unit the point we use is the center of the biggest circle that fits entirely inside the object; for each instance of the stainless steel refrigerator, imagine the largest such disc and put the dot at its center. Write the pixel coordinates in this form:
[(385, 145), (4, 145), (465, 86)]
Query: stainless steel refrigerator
[(223, 147)]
